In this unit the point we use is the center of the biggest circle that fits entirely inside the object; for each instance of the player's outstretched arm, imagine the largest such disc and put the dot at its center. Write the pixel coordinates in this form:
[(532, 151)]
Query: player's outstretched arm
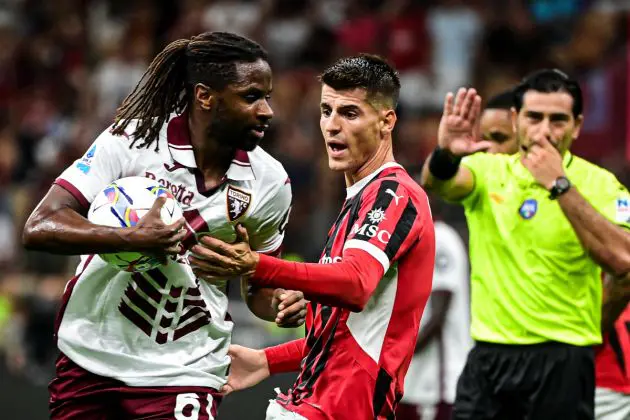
[(287, 308), (251, 366), (58, 225), (348, 284), (457, 137), (248, 368)]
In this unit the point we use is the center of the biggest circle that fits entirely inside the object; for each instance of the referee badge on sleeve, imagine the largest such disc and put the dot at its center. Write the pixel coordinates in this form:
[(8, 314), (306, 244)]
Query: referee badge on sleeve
[(622, 213), (528, 209)]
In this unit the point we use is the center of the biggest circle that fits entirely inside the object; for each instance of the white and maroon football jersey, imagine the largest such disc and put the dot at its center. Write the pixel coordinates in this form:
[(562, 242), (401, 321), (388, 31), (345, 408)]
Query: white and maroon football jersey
[(164, 327)]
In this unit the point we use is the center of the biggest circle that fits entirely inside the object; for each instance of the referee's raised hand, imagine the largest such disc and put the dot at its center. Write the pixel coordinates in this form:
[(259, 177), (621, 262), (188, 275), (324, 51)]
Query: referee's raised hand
[(458, 132)]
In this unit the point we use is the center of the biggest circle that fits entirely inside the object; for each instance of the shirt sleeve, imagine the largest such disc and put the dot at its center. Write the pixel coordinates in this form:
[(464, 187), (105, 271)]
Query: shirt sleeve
[(478, 164), (102, 163), (614, 202), (274, 217), (388, 222), (346, 284), (285, 357)]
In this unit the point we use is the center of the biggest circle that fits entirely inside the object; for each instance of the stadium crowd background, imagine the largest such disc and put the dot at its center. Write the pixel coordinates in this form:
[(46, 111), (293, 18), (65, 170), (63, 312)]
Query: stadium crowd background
[(65, 65)]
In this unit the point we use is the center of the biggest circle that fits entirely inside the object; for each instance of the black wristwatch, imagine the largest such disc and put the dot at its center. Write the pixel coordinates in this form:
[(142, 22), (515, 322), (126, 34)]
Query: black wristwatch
[(560, 186)]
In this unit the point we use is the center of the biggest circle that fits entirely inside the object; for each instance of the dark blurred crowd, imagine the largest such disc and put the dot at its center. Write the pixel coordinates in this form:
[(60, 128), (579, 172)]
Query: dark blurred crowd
[(65, 66)]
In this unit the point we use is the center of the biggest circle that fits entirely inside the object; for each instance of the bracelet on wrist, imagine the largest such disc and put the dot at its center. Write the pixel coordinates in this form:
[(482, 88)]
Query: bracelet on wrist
[(443, 165)]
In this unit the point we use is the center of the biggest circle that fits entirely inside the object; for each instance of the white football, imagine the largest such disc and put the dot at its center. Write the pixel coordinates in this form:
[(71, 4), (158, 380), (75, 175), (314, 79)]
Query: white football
[(122, 204)]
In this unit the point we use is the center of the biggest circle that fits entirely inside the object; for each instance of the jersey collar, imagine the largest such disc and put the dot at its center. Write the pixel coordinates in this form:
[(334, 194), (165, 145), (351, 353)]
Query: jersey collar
[(178, 140), (524, 176), (354, 189)]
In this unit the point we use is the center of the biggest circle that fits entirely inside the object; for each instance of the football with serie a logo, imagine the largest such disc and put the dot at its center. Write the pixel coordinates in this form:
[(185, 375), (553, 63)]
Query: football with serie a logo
[(122, 204)]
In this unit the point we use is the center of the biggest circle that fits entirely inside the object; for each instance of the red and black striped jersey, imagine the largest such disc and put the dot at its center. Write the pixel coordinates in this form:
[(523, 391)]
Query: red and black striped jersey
[(612, 362), (354, 363)]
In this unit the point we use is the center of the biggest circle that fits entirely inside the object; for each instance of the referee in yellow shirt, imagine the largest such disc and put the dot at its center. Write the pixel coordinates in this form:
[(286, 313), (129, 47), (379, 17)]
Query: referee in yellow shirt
[(543, 223)]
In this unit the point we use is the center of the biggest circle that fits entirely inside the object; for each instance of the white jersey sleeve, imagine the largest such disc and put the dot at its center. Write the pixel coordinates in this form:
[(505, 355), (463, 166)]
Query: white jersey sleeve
[(105, 161), (451, 261), (274, 216)]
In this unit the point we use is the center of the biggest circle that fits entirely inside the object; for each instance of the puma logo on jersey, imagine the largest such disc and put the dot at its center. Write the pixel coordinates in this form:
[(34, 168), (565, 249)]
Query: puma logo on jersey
[(393, 194)]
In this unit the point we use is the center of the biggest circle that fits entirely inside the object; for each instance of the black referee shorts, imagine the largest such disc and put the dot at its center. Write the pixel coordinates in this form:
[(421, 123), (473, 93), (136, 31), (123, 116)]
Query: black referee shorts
[(552, 381)]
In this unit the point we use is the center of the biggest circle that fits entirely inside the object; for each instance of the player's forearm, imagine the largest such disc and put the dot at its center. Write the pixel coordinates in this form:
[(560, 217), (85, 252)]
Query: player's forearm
[(285, 357), (607, 243), (348, 284), (259, 300), (429, 182), (448, 178), (64, 231)]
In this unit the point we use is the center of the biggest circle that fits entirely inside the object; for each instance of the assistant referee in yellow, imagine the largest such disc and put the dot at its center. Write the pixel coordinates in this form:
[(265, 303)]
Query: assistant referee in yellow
[(543, 224)]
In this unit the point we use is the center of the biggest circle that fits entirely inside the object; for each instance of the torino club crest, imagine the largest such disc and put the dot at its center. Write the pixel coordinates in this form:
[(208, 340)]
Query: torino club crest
[(237, 202)]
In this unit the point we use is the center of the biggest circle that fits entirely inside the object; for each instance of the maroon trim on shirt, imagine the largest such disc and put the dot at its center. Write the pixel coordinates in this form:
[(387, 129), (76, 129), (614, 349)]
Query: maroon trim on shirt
[(177, 133), (241, 157), (178, 139), (66, 185), (201, 187)]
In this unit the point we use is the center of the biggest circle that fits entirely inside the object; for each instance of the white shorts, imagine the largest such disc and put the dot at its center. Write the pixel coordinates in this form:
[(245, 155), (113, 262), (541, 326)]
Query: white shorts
[(277, 412), (611, 405)]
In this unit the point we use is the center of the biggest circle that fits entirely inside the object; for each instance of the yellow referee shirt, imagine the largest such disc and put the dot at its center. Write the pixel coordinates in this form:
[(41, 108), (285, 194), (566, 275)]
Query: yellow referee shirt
[(531, 279)]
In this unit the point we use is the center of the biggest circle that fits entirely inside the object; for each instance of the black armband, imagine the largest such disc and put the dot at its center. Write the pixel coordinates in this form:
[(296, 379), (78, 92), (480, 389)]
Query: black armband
[(443, 165)]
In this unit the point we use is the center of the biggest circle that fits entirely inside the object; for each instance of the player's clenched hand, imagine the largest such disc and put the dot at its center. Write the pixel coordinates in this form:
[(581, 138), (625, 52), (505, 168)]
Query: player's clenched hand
[(248, 368), (291, 307), (153, 236), (543, 161), (212, 258), (459, 127)]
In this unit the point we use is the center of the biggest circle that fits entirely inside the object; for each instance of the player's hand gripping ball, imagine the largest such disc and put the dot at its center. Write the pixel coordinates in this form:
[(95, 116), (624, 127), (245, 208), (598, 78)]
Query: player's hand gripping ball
[(122, 204)]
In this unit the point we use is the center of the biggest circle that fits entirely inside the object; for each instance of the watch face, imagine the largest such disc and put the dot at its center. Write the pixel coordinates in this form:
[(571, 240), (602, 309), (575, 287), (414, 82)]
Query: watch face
[(562, 183)]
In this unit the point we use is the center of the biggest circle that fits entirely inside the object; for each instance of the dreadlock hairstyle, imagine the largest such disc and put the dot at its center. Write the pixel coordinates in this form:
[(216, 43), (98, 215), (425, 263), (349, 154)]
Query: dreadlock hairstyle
[(167, 85)]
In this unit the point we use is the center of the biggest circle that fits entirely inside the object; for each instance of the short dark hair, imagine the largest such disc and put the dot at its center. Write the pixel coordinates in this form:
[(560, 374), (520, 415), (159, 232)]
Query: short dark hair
[(549, 81), (503, 100), (166, 87), (364, 71)]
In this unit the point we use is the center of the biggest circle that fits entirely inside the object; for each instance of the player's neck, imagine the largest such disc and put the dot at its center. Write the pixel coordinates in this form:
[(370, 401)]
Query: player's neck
[(212, 157), (383, 155)]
